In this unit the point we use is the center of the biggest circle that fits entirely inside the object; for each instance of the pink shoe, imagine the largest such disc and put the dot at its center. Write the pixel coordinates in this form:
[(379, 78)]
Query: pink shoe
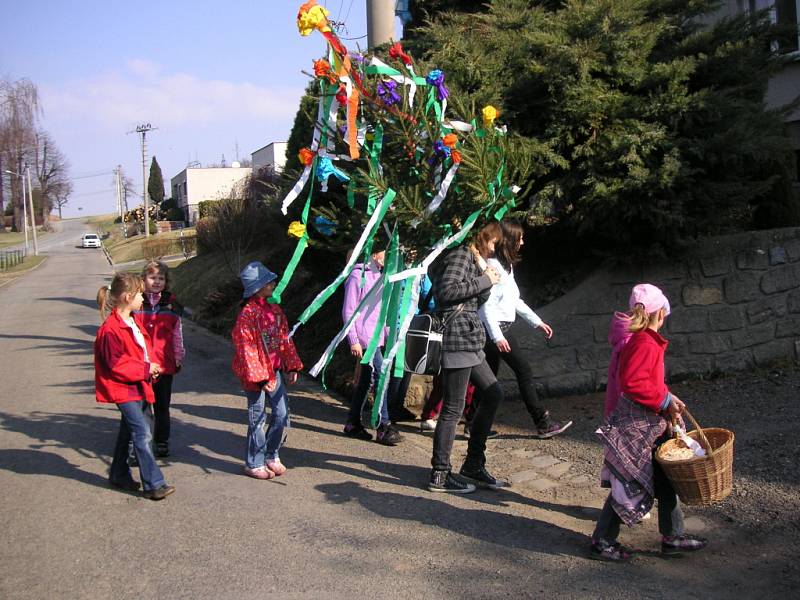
[(259, 473), (276, 466)]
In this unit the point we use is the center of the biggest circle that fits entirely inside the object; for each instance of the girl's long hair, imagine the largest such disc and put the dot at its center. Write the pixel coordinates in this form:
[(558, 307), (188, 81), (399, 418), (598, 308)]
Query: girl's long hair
[(156, 266), (507, 249), (640, 320), (110, 296), (487, 233)]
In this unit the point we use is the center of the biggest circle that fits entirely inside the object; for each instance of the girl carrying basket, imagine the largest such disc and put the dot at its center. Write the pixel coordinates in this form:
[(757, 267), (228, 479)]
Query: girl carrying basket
[(633, 430)]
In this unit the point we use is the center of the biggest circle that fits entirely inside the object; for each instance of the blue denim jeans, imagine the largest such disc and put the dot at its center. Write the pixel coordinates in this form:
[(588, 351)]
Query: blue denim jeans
[(262, 446), (369, 377), (134, 427)]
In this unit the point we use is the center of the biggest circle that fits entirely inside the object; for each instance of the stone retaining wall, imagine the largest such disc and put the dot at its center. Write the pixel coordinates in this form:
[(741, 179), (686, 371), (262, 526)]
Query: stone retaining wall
[(735, 304)]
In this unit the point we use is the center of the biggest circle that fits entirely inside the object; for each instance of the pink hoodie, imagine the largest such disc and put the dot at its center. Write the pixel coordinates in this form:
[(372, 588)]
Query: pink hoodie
[(354, 291), (618, 336)]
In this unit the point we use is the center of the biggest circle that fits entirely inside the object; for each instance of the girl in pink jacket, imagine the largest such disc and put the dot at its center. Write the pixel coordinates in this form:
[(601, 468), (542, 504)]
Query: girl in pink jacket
[(361, 282)]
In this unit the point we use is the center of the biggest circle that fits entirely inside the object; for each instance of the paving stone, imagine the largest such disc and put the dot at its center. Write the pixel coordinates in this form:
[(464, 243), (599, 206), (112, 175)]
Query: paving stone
[(523, 476), (580, 480), (544, 461), (559, 470), (542, 485), (522, 453)]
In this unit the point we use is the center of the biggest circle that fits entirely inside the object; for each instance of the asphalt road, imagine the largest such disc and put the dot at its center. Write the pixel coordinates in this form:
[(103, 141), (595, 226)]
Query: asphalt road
[(349, 520)]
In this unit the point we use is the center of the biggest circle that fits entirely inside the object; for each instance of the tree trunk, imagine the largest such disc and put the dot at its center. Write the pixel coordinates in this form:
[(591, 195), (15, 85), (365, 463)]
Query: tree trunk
[(2, 199)]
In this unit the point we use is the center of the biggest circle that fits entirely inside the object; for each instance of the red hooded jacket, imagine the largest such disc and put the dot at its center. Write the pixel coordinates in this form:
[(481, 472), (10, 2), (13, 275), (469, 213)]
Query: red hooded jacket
[(162, 322), (120, 372), (261, 344), (641, 370)]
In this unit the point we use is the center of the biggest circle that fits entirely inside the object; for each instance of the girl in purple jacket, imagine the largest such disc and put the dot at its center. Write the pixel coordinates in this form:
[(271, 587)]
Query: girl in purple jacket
[(359, 283)]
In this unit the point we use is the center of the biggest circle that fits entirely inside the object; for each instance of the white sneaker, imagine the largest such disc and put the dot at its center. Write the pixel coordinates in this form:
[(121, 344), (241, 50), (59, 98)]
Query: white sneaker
[(428, 425)]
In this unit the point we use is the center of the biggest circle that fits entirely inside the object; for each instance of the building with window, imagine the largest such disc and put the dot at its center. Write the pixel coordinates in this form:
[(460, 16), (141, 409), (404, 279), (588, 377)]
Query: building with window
[(193, 185), (272, 156)]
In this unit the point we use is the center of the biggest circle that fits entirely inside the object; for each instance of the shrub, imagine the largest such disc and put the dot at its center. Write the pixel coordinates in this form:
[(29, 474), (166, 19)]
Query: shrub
[(174, 214), (205, 207), (154, 249), (234, 227)]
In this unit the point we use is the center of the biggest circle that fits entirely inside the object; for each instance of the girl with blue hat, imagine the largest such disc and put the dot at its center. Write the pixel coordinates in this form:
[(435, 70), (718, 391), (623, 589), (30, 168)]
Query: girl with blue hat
[(264, 360)]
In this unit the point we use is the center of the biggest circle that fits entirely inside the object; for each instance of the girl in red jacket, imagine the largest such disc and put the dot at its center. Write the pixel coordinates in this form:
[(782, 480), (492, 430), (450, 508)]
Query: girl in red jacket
[(632, 432), (160, 316), (264, 359), (124, 369)]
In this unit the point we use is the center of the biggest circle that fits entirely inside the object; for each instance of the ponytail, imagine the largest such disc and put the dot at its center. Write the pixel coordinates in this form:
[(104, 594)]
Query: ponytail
[(640, 320), (103, 301), (109, 296)]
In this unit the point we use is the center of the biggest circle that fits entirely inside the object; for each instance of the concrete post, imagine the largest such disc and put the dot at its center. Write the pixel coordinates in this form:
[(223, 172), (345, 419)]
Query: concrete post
[(380, 22)]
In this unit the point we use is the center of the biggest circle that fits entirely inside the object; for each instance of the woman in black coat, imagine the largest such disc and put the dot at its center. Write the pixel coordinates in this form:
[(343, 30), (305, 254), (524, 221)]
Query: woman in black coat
[(461, 283)]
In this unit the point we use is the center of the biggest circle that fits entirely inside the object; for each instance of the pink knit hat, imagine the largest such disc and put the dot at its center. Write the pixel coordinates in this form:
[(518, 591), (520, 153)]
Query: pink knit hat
[(650, 297)]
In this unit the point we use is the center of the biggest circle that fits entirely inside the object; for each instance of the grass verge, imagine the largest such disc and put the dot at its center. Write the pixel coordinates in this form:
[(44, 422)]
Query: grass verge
[(30, 262), (13, 238), (123, 250)]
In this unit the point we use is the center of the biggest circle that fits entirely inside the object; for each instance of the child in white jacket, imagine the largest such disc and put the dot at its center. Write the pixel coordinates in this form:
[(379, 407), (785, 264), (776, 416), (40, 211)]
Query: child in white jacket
[(499, 314)]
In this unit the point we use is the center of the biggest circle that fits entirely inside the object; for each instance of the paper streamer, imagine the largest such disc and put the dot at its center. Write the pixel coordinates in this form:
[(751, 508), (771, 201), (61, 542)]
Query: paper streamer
[(367, 303), (383, 381), (440, 195), (301, 183), (440, 247), (379, 67), (368, 232)]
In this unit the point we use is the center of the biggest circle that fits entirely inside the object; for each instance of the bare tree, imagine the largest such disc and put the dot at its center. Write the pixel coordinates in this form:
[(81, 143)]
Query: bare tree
[(19, 113), (60, 199), (51, 168), (128, 189)]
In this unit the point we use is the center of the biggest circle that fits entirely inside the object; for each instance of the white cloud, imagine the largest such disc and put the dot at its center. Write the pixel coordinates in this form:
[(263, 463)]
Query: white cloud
[(113, 101)]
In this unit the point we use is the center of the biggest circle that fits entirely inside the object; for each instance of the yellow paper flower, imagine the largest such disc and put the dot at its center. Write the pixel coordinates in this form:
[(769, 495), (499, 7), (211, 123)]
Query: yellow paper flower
[(489, 113), (311, 17), (296, 229)]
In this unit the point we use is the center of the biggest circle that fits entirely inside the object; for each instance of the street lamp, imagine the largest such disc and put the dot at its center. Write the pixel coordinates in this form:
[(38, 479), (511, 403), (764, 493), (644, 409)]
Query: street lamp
[(24, 207)]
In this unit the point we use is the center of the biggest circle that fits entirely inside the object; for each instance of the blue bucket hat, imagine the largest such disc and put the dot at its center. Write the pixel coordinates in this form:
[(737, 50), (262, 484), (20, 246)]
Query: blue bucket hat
[(254, 277)]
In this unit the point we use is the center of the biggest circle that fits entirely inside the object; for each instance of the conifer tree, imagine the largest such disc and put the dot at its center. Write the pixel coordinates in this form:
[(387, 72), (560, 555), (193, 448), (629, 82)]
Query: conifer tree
[(155, 183), (656, 120)]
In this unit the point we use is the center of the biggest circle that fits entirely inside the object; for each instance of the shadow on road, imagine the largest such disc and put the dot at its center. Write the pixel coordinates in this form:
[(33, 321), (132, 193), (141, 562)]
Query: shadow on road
[(493, 527), (39, 462), (72, 300)]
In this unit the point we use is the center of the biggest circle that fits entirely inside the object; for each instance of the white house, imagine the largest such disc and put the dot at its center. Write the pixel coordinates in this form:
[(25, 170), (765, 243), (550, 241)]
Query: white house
[(195, 184), (270, 156)]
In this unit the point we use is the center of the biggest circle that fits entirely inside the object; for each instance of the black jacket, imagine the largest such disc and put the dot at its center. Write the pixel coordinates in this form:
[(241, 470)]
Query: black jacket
[(457, 279)]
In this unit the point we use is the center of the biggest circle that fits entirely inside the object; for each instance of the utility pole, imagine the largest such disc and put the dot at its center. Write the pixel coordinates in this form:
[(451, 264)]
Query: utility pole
[(33, 212), (380, 22), (143, 129), (119, 190)]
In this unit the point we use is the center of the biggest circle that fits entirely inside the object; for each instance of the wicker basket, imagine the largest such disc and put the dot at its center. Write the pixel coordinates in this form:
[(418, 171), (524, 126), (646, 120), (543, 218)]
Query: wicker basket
[(703, 480)]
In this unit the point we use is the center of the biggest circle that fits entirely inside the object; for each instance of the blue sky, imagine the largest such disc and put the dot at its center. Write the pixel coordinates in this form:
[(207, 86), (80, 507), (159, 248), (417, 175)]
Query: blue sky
[(209, 75)]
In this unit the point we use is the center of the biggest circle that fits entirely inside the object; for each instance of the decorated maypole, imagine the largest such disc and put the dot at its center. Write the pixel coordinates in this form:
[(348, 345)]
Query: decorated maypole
[(403, 170)]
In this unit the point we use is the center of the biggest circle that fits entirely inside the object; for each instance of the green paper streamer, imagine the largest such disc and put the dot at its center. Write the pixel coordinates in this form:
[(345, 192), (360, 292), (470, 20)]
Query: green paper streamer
[(323, 296), (299, 249)]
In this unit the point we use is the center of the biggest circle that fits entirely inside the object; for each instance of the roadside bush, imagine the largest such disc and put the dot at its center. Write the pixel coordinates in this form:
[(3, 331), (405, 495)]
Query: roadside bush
[(205, 208), (236, 226), (154, 249), (174, 214)]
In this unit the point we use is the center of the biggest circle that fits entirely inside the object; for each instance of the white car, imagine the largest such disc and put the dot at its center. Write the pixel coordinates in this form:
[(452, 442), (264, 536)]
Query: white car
[(90, 240)]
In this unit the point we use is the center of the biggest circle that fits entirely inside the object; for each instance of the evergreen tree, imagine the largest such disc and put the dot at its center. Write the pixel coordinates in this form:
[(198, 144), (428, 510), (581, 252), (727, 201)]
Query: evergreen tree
[(656, 121), (155, 184)]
